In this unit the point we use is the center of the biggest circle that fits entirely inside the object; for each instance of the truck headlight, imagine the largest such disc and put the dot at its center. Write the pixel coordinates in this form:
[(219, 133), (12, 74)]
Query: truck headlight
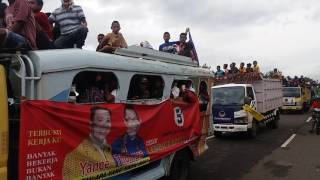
[(241, 120), (298, 103)]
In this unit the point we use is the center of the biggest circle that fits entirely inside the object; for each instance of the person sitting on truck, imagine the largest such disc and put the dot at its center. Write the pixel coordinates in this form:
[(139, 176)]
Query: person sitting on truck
[(20, 31), (256, 67), (114, 40), (233, 68), (219, 73), (3, 8), (249, 69), (225, 69), (242, 69), (40, 17), (175, 90), (276, 74), (167, 46), (72, 23), (43, 27)]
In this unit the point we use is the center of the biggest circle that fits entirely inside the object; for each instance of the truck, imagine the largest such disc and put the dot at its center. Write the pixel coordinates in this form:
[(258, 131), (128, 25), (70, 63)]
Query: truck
[(296, 99), (48, 121), (262, 96)]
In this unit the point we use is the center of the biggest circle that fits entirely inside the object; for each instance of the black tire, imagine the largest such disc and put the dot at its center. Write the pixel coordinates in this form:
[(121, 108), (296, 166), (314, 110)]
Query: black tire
[(179, 169), (275, 123), (252, 132), (217, 134)]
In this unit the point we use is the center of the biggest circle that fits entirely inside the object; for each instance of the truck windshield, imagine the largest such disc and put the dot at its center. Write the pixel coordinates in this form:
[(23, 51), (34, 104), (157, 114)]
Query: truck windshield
[(228, 96), (291, 92)]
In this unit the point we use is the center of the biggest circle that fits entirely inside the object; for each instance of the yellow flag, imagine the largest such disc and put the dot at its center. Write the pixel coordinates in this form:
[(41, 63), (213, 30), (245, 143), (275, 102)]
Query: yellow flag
[(254, 113)]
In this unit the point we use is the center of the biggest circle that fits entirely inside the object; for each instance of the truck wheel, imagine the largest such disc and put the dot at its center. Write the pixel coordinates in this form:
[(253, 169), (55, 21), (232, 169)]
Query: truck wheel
[(275, 122), (252, 132), (180, 166), (217, 133)]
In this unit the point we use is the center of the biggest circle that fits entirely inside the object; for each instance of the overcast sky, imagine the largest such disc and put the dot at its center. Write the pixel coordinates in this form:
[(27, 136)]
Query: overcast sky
[(276, 33)]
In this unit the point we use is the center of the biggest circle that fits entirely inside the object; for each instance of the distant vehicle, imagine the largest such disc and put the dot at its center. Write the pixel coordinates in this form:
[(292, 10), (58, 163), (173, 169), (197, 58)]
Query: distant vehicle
[(62, 76), (296, 99), (264, 96)]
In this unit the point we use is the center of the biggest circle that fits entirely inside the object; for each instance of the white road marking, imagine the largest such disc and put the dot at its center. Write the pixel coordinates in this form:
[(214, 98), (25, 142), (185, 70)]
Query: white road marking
[(309, 119), (285, 144), (210, 137)]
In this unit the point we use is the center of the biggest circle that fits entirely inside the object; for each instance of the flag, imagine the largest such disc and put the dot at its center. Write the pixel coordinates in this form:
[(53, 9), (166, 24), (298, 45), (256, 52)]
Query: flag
[(194, 51)]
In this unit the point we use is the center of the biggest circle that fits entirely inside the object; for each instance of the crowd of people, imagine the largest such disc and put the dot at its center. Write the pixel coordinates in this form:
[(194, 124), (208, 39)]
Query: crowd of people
[(24, 26), (234, 70)]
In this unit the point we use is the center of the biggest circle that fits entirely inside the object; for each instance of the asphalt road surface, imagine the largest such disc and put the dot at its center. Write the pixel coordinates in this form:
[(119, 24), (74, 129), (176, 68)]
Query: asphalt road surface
[(236, 157)]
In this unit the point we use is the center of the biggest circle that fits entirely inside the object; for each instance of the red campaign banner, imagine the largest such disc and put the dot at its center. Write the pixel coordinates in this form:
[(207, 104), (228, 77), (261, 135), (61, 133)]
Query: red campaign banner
[(72, 141)]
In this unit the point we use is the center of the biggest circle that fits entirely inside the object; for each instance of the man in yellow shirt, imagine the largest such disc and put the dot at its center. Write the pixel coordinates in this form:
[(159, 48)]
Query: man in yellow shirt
[(93, 155), (256, 67), (242, 69)]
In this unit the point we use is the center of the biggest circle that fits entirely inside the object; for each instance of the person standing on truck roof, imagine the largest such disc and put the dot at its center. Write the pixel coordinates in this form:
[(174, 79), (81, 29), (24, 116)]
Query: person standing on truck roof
[(94, 151), (130, 144), (184, 47), (20, 31), (114, 40), (72, 23), (167, 46), (256, 67)]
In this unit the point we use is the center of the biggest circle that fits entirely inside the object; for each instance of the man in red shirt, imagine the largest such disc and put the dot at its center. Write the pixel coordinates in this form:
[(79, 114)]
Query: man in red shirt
[(20, 31), (41, 18)]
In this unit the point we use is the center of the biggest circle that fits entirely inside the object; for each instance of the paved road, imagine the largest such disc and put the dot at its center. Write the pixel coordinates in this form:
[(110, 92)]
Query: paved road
[(235, 157)]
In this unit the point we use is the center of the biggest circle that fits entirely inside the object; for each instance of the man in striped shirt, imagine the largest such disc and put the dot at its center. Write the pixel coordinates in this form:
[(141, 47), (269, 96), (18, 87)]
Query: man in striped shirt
[(73, 25)]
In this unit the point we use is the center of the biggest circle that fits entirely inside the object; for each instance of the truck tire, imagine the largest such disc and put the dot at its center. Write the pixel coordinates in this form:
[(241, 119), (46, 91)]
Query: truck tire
[(275, 123), (179, 169), (252, 132), (217, 134)]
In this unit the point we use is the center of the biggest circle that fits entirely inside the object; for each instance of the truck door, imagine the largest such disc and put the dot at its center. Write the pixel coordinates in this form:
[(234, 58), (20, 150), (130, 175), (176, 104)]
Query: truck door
[(250, 94), (3, 124)]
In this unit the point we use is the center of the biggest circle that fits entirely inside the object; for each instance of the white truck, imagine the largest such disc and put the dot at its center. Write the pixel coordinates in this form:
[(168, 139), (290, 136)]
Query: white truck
[(263, 95)]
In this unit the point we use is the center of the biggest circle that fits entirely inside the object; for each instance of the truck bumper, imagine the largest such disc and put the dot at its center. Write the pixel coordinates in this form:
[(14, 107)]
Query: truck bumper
[(230, 128), (294, 108)]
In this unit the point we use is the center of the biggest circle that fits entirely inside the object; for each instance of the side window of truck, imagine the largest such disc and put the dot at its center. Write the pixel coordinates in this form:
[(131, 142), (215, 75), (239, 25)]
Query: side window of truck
[(94, 87), (250, 93), (180, 85), (144, 87)]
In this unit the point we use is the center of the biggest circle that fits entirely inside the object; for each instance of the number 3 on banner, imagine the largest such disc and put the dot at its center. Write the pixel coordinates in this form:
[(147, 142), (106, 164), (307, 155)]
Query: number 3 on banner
[(178, 116)]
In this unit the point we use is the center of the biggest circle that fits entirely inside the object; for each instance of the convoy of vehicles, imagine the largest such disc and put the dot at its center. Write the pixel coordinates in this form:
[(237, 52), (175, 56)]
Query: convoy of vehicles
[(229, 115), (296, 99), (52, 76)]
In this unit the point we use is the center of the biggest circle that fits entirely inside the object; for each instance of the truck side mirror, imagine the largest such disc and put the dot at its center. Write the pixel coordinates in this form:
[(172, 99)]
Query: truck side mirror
[(247, 100)]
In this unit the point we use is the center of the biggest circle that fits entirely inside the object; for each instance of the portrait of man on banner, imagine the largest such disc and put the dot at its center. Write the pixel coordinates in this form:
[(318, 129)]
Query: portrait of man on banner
[(130, 147), (94, 151)]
